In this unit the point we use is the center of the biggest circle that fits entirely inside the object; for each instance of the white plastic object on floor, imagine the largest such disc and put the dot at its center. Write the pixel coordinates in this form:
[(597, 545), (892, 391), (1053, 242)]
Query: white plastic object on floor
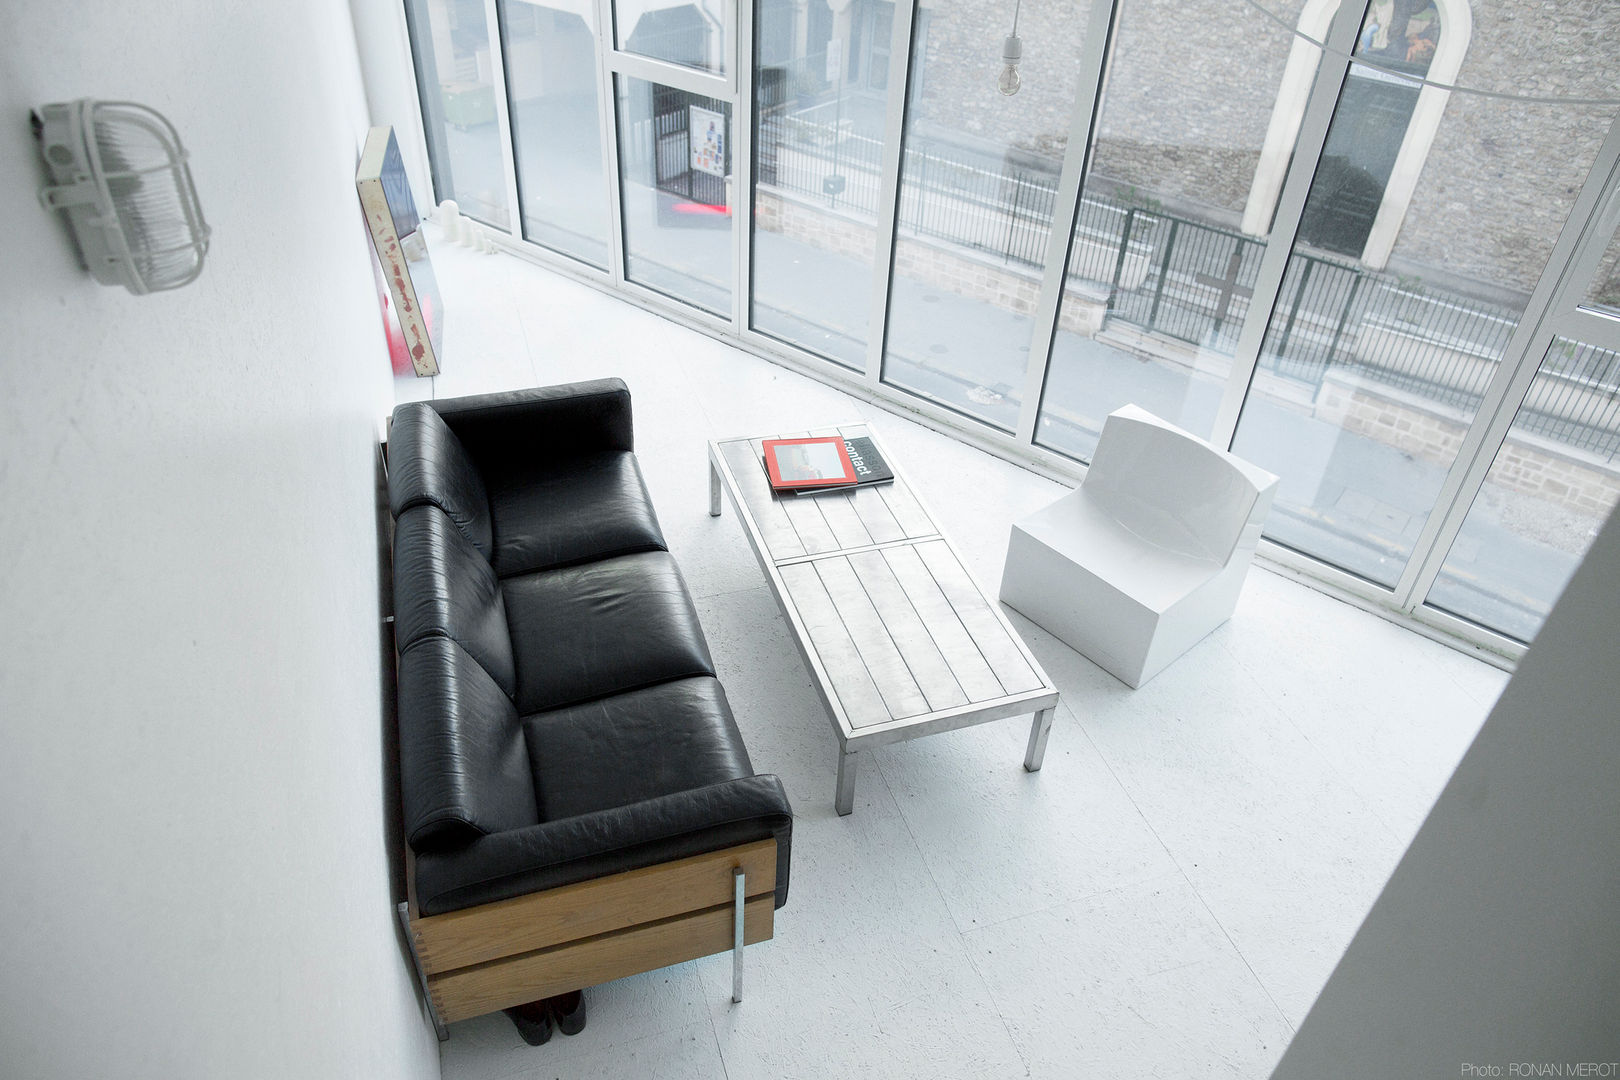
[(451, 221), (461, 229), (1148, 555)]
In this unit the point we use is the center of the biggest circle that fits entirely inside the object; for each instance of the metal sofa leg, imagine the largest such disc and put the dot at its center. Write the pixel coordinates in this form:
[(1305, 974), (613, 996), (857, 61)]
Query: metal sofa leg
[(739, 880)]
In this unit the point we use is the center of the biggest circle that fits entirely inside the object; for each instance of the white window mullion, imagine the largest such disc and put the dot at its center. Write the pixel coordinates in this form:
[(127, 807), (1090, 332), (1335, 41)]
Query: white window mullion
[(608, 124), (905, 14), (1553, 309), (1332, 67), (740, 184), (1093, 69), (503, 119)]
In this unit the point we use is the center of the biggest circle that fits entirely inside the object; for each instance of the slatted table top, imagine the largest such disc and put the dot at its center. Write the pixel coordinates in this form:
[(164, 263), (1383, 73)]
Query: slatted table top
[(900, 638)]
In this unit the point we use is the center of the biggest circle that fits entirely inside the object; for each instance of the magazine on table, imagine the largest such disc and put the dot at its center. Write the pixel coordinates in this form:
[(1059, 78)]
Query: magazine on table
[(870, 468), (804, 463)]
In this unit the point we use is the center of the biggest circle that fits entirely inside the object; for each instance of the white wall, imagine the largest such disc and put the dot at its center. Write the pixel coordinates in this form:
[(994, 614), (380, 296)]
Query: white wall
[(1496, 943), (194, 857)]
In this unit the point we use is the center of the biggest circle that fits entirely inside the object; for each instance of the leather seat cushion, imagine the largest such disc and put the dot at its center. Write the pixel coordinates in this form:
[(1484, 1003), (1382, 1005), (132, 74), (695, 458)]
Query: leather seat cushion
[(638, 745), (600, 628), (584, 507)]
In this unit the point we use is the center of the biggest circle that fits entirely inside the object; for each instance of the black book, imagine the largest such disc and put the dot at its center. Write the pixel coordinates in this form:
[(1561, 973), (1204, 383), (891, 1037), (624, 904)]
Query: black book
[(870, 468)]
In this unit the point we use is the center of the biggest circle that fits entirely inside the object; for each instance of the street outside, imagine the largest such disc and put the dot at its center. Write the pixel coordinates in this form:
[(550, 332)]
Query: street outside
[(1345, 498)]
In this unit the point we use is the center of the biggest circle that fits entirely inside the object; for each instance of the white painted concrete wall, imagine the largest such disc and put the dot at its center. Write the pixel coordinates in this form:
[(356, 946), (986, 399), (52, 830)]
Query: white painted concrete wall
[(195, 868), (1494, 950)]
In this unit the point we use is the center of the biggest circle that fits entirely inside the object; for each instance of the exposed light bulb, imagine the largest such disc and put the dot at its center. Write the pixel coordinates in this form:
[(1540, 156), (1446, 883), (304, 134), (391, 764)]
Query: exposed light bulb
[(1012, 51)]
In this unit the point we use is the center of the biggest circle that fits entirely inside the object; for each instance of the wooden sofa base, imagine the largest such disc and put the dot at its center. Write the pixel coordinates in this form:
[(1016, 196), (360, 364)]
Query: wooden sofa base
[(494, 956)]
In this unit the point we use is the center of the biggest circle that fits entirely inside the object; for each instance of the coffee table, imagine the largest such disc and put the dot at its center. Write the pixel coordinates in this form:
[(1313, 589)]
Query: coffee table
[(900, 640)]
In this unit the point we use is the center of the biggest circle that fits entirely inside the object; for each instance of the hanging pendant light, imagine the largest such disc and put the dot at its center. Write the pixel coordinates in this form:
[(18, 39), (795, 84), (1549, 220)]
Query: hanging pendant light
[(1012, 51)]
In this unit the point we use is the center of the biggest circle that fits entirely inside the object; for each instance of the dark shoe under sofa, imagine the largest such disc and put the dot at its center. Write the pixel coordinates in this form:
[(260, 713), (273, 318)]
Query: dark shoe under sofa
[(577, 799)]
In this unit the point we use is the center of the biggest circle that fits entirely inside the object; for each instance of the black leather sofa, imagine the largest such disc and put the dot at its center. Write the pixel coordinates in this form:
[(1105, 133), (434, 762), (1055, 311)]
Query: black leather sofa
[(577, 798)]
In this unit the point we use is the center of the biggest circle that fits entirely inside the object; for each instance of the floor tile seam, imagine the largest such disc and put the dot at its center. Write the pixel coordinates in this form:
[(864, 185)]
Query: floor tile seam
[(714, 1035), (515, 1071), (1124, 789), (564, 1051), (1463, 687), (1001, 1014), (1328, 760), (1180, 869), (961, 938), (1191, 885), (922, 857), (1237, 950), (1080, 898), (719, 593), (523, 329)]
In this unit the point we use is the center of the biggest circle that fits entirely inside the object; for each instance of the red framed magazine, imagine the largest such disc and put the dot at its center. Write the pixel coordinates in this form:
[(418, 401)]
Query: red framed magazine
[(802, 463)]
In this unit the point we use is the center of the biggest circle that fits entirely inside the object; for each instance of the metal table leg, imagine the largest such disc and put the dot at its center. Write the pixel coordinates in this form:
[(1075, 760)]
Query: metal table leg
[(844, 802), (1038, 732), (714, 490)]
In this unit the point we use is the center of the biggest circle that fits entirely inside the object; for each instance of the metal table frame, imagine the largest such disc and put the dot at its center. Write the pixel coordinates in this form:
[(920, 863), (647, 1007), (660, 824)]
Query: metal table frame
[(1042, 701)]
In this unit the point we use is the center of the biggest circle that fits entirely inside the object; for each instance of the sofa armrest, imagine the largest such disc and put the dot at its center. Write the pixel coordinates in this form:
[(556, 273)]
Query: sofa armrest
[(546, 420), (545, 856)]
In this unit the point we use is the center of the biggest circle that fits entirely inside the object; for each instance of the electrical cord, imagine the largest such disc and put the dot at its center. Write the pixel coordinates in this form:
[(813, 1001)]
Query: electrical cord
[(1529, 99)]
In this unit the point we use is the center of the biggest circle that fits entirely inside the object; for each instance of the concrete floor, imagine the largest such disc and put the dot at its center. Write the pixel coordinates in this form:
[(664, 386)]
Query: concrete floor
[(1164, 899)]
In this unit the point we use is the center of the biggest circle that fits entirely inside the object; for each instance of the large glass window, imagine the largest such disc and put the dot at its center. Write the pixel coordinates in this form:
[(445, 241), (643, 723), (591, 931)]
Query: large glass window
[(978, 187), (675, 185), (1604, 292), (456, 78), (550, 55), (1358, 363), (1553, 484), (691, 33), (1429, 222), (1160, 270), (818, 165)]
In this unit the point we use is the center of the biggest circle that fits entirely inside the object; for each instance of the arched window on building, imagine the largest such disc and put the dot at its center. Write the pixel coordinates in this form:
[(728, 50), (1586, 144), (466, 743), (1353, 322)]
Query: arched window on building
[(1383, 126)]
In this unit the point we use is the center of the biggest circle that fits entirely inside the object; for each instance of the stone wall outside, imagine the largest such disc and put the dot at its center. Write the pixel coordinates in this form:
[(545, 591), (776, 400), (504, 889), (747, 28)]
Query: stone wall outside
[(1192, 91), (1502, 176), (1531, 466)]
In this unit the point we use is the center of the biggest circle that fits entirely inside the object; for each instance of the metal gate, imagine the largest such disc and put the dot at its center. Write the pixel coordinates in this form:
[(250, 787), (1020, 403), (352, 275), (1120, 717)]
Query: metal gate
[(1197, 281)]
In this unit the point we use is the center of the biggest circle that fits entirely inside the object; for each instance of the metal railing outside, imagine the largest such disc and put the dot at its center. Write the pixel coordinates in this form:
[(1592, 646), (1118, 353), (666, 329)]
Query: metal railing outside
[(1191, 281), (1439, 346)]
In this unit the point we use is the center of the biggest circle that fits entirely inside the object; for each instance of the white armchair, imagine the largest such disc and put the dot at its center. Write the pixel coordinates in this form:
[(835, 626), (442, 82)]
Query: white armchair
[(1148, 555)]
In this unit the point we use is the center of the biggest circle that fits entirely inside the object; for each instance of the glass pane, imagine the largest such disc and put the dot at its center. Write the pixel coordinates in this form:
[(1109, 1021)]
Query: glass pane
[(675, 169), (1168, 241), (819, 108), (1552, 486), (1604, 291), (453, 71), (692, 34), (1429, 220), (978, 185), (556, 128)]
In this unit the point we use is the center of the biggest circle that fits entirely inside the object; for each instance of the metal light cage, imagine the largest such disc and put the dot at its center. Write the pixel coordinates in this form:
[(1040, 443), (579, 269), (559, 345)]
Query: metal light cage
[(119, 173)]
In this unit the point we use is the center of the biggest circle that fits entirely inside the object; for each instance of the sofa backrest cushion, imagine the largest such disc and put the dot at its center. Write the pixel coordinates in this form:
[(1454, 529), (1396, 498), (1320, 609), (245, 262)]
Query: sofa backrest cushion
[(464, 764), (428, 465), (446, 588), (542, 422)]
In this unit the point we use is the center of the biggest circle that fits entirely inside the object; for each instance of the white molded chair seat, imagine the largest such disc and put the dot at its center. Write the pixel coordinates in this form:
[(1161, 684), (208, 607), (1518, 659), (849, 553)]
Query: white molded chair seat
[(1148, 555)]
